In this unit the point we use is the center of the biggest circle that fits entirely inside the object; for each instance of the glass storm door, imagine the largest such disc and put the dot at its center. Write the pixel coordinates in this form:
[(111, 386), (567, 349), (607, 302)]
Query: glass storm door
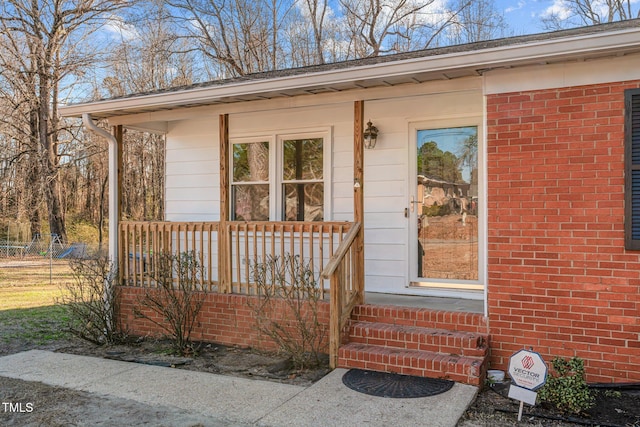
[(445, 205)]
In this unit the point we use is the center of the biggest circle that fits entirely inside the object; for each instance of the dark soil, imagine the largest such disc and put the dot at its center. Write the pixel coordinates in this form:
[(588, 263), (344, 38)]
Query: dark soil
[(613, 407), (212, 358)]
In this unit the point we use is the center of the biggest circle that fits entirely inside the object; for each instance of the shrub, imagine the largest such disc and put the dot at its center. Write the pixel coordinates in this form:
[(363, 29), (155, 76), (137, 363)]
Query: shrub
[(566, 388), (287, 308), (92, 300), (177, 297)]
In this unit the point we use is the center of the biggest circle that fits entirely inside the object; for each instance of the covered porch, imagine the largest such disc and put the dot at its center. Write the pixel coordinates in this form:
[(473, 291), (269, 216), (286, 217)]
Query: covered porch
[(388, 335), (228, 250)]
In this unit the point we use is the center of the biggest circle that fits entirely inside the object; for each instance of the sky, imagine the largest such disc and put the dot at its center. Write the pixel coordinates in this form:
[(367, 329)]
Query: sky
[(523, 16)]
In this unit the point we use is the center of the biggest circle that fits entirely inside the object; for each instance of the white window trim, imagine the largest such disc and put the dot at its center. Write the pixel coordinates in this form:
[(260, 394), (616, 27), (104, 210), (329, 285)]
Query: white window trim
[(249, 140), (276, 174), (433, 286)]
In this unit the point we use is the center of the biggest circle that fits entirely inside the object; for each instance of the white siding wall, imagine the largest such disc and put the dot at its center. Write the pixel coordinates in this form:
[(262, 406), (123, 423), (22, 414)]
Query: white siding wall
[(192, 191), (192, 169)]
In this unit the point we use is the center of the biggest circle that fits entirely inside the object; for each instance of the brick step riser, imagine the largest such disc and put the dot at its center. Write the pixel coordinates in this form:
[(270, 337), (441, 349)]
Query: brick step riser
[(400, 343), (422, 339), (407, 316), (466, 370)]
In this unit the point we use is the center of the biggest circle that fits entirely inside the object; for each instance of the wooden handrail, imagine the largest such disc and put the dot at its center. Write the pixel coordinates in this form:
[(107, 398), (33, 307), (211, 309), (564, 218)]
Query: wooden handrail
[(341, 251), (344, 295)]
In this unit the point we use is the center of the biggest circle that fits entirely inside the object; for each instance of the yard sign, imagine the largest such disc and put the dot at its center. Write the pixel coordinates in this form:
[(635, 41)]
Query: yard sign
[(528, 372)]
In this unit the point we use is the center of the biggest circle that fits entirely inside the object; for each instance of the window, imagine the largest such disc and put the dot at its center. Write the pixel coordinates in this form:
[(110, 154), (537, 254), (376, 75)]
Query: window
[(632, 169), (279, 181), (250, 182), (302, 180)]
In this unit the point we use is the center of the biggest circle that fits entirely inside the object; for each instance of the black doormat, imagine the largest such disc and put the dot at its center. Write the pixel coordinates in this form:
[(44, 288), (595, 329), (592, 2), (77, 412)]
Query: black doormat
[(383, 384)]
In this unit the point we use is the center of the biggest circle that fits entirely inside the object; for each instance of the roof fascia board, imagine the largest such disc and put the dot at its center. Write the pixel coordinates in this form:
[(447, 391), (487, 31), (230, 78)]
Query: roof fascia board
[(510, 55), (465, 84)]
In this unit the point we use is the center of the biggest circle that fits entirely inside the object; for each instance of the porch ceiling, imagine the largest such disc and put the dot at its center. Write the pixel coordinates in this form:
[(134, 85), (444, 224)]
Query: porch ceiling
[(411, 68)]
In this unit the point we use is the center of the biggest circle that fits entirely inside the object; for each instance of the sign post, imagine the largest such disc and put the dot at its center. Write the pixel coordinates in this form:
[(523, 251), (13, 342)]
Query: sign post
[(528, 372)]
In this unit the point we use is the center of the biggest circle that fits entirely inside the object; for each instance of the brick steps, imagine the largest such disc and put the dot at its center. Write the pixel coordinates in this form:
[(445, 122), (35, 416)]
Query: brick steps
[(419, 342), (409, 316), (419, 338)]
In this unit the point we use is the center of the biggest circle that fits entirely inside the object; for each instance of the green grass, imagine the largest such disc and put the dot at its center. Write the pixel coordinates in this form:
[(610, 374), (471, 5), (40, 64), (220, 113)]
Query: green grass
[(38, 325), (29, 313)]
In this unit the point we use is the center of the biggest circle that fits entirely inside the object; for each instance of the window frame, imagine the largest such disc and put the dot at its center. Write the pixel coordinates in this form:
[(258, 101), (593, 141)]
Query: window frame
[(631, 193), (233, 183), (276, 167)]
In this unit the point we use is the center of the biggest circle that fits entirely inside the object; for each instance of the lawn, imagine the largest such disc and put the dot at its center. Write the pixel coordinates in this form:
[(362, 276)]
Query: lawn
[(29, 313)]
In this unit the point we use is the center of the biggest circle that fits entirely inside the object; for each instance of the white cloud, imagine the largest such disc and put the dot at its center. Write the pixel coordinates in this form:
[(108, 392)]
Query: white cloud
[(521, 4), (116, 26), (559, 8)]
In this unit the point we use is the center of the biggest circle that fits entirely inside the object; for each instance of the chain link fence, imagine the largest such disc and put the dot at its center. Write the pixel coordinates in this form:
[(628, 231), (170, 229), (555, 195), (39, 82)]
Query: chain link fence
[(47, 246)]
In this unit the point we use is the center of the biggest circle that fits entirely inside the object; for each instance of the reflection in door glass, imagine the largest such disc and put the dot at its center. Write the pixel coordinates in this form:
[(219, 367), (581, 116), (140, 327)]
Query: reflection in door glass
[(447, 196)]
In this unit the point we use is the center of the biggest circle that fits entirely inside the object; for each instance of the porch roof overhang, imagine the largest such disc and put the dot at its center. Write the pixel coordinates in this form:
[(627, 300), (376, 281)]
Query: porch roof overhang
[(475, 59)]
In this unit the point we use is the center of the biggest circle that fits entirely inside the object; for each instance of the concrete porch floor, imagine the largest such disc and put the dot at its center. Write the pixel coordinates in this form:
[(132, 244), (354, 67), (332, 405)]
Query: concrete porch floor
[(431, 303)]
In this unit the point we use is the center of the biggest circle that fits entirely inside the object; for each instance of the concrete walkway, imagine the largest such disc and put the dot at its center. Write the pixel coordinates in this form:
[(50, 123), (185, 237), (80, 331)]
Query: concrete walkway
[(237, 401)]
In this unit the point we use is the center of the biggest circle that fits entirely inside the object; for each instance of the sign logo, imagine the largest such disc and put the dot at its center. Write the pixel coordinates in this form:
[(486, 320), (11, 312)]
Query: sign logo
[(527, 362), (527, 370)]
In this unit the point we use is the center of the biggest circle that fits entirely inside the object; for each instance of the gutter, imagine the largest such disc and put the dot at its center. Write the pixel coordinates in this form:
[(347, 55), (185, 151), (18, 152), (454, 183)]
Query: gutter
[(113, 186)]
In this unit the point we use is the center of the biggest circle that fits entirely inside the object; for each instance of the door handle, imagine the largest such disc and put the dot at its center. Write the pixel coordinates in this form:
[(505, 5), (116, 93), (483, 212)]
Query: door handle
[(413, 202)]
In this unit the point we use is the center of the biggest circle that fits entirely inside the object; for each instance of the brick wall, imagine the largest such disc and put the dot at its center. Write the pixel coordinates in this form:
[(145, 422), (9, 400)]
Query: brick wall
[(560, 280), (225, 319)]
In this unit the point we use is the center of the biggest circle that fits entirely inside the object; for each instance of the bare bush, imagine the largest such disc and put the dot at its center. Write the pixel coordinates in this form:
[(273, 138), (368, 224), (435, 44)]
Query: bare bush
[(287, 308), (177, 298), (92, 300)]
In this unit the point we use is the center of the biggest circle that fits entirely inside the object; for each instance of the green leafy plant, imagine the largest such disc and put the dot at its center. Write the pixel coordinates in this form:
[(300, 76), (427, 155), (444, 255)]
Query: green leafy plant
[(174, 304), (566, 388), (287, 306)]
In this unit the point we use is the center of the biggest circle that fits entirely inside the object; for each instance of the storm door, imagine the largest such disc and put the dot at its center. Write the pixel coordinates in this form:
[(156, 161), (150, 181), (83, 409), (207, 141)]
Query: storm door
[(445, 202)]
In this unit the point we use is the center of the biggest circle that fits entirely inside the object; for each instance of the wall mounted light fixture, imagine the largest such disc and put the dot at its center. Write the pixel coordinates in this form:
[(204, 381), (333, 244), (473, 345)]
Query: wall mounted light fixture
[(370, 136)]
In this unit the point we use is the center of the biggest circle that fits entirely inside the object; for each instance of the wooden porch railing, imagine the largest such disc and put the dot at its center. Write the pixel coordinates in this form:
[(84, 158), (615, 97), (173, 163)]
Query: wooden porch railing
[(255, 242), (139, 241), (327, 247), (242, 244), (341, 271)]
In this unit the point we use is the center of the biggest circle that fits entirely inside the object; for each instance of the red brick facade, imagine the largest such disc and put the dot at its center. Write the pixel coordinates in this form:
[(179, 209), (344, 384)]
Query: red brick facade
[(560, 280), (225, 319)]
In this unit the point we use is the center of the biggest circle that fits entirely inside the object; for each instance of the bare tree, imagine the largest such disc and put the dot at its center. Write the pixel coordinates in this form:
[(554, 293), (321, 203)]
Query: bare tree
[(236, 37), (150, 56), (41, 48), (476, 21), (317, 10), (386, 26), (574, 13)]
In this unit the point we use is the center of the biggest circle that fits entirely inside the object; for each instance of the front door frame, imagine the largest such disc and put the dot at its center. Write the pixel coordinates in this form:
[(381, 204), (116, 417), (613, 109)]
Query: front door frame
[(435, 287)]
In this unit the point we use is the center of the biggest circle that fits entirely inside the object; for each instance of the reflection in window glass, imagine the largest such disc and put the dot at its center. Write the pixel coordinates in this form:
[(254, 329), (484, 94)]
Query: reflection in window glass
[(447, 196), (302, 186), (302, 159), (250, 186), (251, 162), (301, 183), (250, 202), (303, 202)]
